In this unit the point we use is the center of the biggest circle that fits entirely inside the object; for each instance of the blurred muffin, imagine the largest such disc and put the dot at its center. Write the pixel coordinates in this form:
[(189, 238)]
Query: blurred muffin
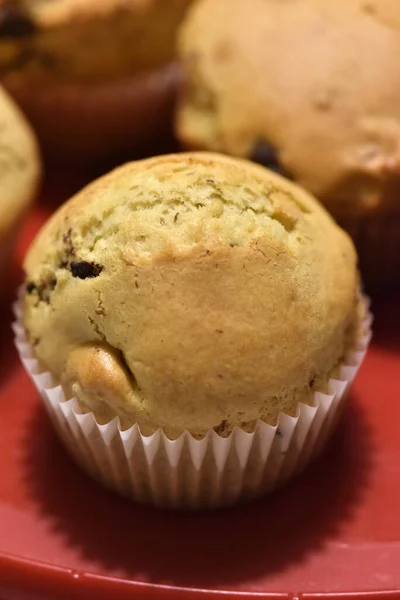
[(95, 78), (19, 172), (192, 292), (311, 88)]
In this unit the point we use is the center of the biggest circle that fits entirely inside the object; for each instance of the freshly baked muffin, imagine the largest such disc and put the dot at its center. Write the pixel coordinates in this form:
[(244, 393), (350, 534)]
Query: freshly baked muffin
[(19, 172), (310, 87), (193, 292), (95, 78), (192, 323)]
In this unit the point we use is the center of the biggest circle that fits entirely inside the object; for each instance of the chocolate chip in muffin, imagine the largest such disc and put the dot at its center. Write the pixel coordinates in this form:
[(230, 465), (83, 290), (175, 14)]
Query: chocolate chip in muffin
[(42, 289), (14, 21), (30, 287), (312, 381), (266, 155), (85, 270), (221, 428), (69, 246)]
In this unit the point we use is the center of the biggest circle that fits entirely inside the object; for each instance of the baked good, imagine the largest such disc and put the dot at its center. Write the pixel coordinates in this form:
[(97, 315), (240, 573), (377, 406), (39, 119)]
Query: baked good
[(96, 79), (190, 292), (311, 87), (188, 320), (19, 172)]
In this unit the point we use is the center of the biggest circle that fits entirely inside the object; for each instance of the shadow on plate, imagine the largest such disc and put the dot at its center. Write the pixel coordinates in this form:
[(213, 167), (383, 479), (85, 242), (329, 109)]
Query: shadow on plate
[(385, 308), (9, 358), (221, 548)]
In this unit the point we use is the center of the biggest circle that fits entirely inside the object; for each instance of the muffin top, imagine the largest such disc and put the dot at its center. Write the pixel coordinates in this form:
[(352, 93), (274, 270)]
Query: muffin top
[(190, 291), (19, 163), (80, 40), (312, 81)]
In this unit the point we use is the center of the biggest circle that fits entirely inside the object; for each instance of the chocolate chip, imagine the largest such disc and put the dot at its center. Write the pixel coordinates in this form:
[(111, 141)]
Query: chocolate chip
[(42, 289), (30, 287), (14, 22), (67, 237), (45, 288), (312, 381), (221, 427), (265, 154), (85, 269)]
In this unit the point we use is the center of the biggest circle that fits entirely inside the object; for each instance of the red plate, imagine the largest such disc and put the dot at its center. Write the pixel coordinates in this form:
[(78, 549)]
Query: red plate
[(335, 530)]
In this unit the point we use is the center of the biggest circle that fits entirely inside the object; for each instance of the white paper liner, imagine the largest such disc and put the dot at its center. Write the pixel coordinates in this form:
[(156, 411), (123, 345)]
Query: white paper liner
[(187, 472)]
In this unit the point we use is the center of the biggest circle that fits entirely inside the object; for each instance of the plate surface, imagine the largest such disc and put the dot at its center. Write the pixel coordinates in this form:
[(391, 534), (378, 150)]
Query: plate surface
[(334, 530)]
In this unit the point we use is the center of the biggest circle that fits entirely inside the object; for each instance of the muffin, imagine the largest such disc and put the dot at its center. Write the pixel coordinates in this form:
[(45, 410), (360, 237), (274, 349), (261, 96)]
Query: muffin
[(199, 299), (95, 78), (19, 173), (311, 88)]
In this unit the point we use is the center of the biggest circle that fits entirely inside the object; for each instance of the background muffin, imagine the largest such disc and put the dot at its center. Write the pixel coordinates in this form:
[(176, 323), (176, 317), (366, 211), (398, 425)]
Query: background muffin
[(95, 78), (311, 87), (19, 172)]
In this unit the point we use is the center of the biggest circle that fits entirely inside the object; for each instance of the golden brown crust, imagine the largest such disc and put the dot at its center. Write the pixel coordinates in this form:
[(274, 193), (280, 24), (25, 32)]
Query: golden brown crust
[(212, 289), (317, 80)]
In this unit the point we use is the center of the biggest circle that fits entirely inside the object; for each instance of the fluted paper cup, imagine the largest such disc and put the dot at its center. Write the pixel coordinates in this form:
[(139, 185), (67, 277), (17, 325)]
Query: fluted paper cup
[(186, 472)]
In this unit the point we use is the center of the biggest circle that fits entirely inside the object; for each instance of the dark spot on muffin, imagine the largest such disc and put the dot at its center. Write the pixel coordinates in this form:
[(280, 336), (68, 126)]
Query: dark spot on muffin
[(14, 21), (67, 236), (67, 239), (85, 270), (42, 289), (210, 181), (266, 155), (36, 341), (46, 288), (162, 221), (312, 381), (30, 287), (136, 284), (176, 217), (69, 251), (221, 428), (219, 331)]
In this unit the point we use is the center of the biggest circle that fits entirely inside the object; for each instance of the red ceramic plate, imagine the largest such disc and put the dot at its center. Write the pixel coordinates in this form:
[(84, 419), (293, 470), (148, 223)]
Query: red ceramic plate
[(333, 531)]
